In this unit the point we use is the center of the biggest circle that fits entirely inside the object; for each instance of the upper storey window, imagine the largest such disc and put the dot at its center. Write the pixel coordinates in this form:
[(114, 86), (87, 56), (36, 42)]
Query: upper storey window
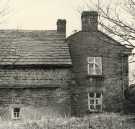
[(94, 65)]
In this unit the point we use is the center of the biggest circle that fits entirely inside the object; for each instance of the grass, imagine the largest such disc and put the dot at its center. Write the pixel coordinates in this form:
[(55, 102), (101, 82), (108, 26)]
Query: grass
[(94, 121)]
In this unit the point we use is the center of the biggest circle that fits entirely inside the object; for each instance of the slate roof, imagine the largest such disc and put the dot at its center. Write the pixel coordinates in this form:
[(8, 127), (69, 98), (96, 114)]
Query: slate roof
[(27, 47)]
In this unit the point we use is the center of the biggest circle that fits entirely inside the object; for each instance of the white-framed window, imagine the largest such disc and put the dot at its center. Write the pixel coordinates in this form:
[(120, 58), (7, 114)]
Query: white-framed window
[(16, 113), (94, 65), (95, 101)]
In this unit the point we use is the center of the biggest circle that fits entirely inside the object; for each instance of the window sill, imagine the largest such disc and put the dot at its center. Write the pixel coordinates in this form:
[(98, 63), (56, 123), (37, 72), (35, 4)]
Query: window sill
[(16, 119), (95, 76), (96, 111)]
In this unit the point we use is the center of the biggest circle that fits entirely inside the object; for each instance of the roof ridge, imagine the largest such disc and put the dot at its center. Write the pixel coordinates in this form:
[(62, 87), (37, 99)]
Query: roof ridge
[(27, 30)]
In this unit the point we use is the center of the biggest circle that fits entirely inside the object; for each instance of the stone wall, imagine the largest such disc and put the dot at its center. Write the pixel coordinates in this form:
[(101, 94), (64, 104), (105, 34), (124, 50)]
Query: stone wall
[(34, 77), (91, 44), (36, 101)]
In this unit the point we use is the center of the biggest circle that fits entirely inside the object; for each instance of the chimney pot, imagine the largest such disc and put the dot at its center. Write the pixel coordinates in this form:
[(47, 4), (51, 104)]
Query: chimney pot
[(89, 20), (61, 25)]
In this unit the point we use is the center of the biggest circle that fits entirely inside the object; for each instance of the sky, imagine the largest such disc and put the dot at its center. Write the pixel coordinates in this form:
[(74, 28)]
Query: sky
[(43, 14)]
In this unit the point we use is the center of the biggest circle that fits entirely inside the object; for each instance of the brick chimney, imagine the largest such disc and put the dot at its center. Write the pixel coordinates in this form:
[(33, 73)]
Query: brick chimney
[(89, 20), (61, 25)]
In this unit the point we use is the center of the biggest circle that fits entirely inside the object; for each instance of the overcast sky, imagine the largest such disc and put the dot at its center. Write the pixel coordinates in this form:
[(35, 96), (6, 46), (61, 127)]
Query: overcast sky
[(43, 14)]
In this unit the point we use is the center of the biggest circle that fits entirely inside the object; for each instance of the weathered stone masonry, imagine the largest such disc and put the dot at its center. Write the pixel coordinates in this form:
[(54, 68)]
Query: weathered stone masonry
[(35, 73), (44, 74), (39, 93), (114, 79)]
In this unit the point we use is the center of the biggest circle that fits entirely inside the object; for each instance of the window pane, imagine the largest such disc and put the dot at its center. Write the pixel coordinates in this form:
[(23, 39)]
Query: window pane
[(98, 95), (91, 69), (16, 109), (92, 107), (97, 102), (98, 61), (14, 114), (90, 59), (92, 101), (91, 94), (17, 115), (98, 107), (98, 69)]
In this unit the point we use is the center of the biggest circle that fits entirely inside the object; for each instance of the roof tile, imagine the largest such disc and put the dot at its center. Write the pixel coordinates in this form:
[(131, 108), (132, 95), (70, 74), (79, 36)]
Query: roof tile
[(33, 47)]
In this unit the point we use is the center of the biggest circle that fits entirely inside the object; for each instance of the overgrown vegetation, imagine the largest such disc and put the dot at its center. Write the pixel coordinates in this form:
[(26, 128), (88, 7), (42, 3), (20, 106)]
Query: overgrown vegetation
[(94, 121)]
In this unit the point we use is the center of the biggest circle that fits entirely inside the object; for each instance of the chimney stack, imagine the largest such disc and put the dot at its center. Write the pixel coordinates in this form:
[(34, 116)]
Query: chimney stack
[(89, 21), (61, 25)]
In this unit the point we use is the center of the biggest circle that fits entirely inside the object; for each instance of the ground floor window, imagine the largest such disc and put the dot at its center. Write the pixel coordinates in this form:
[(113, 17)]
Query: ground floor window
[(95, 101), (16, 113)]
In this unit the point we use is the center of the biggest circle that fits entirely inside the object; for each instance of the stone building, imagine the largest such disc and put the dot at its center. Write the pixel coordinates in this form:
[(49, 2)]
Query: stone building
[(100, 67), (34, 73), (42, 73)]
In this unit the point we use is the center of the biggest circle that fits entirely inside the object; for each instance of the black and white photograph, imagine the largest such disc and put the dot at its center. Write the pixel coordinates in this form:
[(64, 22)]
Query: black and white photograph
[(67, 64)]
